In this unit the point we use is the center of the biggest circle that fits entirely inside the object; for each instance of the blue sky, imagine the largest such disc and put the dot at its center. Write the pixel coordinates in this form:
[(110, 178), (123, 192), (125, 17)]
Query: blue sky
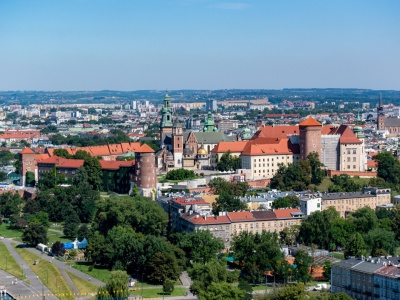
[(198, 44)]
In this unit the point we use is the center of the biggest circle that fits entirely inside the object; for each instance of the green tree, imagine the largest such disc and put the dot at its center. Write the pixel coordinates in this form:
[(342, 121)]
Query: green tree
[(290, 201), (34, 234), (388, 167), (246, 288), (41, 218), (10, 204), (379, 239), (62, 153), (71, 224), (228, 202), (201, 246), (303, 263), (168, 286), (162, 266), (364, 219), (256, 253), (317, 173), (355, 246), (116, 286), (58, 249), (5, 158), (83, 232), (30, 178), (227, 162), (180, 174), (221, 291), (289, 292), (327, 269)]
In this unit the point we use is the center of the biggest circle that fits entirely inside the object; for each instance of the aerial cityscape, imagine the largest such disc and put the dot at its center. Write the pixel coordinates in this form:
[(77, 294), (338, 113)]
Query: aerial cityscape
[(199, 149)]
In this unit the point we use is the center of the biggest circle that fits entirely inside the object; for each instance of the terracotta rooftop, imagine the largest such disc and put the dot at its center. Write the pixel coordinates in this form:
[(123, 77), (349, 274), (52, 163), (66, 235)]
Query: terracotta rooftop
[(270, 147), (310, 121), (145, 149), (63, 162), (238, 216), (27, 150), (115, 165), (204, 220), (223, 147), (347, 136), (105, 150), (277, 131), (189, 201), (285, 213)]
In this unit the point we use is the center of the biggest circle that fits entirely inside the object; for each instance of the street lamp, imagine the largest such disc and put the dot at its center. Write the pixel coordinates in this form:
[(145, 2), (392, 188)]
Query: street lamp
[(43, 297)]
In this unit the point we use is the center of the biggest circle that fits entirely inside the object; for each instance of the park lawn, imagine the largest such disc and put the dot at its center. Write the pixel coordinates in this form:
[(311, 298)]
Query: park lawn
[(324, 185), (158, 292), (259, 287), (84, 287), (338, 255), (7, 232), (56, 236), (48, 273), (8, 263), (101, 274)]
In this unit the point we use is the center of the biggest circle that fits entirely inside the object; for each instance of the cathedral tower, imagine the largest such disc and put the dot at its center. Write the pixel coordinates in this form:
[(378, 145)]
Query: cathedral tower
[(381, 116), (177, 144), (166, 120)]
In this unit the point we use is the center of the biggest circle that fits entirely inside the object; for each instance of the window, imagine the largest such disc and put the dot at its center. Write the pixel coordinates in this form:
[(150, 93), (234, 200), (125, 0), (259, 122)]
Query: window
[(348, 159), (354, 166), (354, 151), (354, 159), (318, 204)]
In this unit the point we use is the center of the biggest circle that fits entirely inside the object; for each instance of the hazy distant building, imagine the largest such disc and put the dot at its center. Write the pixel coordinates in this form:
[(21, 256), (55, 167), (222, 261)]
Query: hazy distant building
[(211, 105), (391, 124), (134, 105)]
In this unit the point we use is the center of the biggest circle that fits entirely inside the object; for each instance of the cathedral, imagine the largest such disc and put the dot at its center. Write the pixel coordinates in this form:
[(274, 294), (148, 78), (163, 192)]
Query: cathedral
[(391, 124), (189, 150)]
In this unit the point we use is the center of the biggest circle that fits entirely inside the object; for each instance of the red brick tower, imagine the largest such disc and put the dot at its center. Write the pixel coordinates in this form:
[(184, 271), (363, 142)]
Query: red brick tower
[(310, 137), (145, 171), (27, 163)]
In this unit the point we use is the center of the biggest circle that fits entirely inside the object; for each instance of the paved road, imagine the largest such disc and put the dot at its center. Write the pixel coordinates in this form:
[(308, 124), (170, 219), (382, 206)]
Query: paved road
[(20, 288)]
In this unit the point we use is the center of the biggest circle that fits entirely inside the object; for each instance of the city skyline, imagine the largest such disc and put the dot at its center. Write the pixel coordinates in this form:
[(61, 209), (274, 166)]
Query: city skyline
[(198, 44)]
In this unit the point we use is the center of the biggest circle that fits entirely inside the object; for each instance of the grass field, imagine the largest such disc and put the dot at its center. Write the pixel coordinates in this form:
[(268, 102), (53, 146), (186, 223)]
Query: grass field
[(56, 236), (154, 293), (98, 273), (9, 233), (48, 273), (8, 263), (338, 255), (84, 287)]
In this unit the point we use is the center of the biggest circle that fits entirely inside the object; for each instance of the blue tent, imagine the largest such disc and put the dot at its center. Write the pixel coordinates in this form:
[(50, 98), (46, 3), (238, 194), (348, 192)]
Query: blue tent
[(68, 245)]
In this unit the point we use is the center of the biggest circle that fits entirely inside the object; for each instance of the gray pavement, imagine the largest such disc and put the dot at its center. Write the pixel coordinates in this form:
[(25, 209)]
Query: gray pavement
[(18, 288)]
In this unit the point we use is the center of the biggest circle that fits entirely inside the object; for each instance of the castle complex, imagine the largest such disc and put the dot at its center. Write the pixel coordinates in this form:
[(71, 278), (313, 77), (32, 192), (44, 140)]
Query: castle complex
[(141, 172)]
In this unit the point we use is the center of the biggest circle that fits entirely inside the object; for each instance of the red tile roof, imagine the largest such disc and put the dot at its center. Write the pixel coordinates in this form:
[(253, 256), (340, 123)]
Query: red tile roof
[(277, 131), (285, 213), (115, 165), (201, 220), (27, 150), (372, 164), (105, 150), (310, 121), (347, 136), (145, 149), (270, 146), (239, 216), (63, 162), (234, 147)]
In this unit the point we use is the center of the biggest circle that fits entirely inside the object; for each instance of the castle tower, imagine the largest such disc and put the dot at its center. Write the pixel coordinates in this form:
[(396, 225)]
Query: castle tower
[(166, 119), (310, 137), (145, 171), (27, 163), (259, 121), (177, 144), (381, 116)]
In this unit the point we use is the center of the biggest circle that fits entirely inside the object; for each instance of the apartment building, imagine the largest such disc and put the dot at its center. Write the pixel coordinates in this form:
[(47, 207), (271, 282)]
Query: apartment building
[(347, 202), (228, 224), (367, 279)]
